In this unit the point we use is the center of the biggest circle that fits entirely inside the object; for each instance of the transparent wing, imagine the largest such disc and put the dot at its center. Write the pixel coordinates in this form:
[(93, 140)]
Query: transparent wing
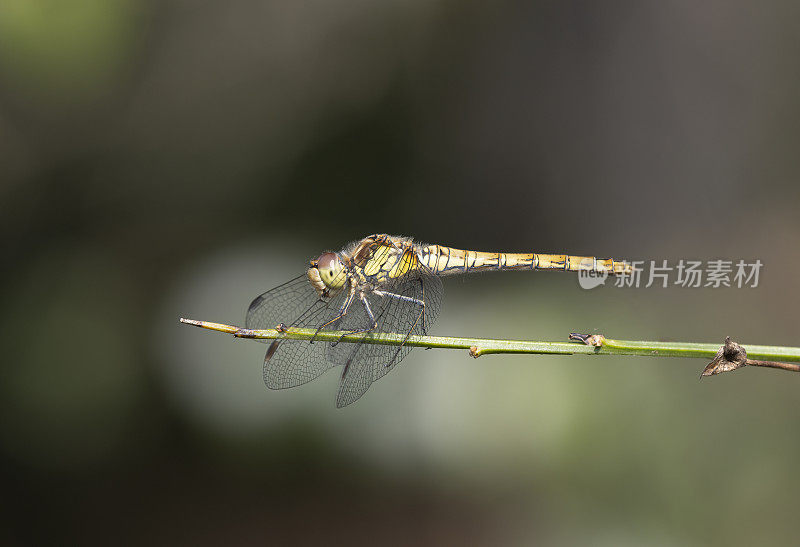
[(289, 363), (398, 310), (283, 304)]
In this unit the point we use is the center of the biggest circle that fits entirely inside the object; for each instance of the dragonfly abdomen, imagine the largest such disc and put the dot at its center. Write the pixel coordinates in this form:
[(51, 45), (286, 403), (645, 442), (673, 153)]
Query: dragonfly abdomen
[(450, 261)]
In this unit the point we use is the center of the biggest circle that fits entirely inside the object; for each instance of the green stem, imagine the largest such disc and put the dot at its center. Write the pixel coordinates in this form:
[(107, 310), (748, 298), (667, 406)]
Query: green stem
[(484, 346), (707, 351)]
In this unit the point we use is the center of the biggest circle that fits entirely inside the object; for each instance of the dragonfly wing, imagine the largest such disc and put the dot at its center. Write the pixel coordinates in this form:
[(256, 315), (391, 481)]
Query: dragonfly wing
[(290, 363), (283, 304), (398, 311)]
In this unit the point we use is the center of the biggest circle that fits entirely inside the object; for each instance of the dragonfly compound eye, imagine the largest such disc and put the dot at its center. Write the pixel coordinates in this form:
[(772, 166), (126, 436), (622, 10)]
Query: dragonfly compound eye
[(331, 270)]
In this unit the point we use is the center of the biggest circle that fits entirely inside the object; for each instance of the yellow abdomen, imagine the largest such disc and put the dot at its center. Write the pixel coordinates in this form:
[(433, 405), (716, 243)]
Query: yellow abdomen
[(450, 261)]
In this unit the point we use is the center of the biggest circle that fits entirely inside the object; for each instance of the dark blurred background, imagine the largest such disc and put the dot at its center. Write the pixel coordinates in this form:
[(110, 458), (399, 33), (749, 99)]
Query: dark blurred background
[(172, 158)]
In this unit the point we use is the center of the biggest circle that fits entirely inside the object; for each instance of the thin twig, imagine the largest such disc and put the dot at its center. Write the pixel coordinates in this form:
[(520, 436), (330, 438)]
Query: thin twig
[(597, 344), (794, 367)]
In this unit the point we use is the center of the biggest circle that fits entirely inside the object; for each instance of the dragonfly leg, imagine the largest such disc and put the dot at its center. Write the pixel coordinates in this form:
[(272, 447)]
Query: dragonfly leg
[(417, 301), (421, 316), (400, 297), (365, 302), (422, 288), (342, 312), (369, 313)]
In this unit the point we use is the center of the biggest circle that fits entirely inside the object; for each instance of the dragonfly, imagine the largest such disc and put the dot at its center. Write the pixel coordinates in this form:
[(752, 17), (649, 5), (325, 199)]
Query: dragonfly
[(380, 284)]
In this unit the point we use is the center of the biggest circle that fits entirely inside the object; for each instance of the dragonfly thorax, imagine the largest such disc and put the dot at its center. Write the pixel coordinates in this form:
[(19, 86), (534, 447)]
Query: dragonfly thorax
[(327, 274)]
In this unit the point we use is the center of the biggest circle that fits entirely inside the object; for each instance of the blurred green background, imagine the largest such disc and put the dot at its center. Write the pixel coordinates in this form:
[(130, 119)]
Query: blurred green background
[(171, 158)]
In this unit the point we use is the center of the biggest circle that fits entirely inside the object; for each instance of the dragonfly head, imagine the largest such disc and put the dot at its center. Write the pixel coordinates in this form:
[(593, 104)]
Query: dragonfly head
[(327, 274)]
